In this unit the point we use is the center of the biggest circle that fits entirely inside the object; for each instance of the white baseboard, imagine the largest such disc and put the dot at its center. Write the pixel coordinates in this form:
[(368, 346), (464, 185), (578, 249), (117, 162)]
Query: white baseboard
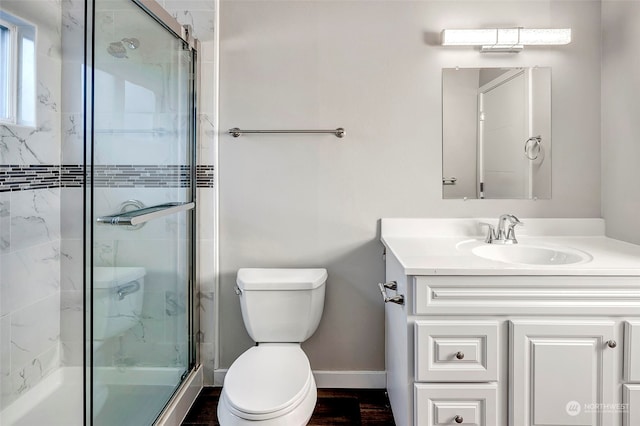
[(182, 401), (333, 379), (351, 379), (218, 377)]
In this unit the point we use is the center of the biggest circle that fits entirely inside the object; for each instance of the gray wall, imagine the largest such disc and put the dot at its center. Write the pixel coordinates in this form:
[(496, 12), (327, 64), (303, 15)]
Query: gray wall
[(375, 69), (620, 124)]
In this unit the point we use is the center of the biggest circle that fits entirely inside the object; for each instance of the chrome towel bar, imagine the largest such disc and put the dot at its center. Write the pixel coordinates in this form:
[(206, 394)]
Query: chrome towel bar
[(391, 285), (449, 181), (136, 217), (236, 132)]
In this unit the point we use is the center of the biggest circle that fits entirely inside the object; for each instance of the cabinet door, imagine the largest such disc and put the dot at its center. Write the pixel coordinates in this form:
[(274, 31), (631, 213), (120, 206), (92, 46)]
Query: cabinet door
[(562, 372), (632, 351), (631, 407)]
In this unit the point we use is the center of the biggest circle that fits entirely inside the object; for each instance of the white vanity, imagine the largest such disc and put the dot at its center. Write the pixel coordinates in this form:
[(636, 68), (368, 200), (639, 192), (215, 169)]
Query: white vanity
[(543, 332)]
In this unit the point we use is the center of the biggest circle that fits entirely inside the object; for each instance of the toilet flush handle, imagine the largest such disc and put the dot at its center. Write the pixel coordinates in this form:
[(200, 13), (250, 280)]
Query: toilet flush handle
[(127, 289), (237, 290)]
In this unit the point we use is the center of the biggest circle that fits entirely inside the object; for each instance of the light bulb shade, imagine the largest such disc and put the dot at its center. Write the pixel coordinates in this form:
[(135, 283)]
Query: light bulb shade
[(506, 39), (469, 37), (541, 37)]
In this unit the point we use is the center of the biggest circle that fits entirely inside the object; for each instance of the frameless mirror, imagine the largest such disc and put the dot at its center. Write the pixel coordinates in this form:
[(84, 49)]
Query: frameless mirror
[(496, 133)]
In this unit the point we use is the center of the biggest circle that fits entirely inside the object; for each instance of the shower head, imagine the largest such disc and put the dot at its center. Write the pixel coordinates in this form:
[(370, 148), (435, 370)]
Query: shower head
[(117, 48), (131, 43)]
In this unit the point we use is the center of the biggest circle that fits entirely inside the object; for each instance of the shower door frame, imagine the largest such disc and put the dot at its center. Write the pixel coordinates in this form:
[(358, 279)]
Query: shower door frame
[(163, 18)]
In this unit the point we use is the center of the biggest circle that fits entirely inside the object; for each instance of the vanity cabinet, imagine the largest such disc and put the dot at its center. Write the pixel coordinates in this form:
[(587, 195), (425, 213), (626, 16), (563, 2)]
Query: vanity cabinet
[(513, 350), (542, 333)]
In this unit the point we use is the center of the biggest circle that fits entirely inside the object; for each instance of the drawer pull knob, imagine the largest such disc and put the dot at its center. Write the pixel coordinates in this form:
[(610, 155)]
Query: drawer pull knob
[(612, 343), (460, 355), (458, 419)]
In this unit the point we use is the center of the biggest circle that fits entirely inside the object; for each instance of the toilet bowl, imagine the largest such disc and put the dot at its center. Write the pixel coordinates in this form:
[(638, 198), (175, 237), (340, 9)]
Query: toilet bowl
[(282, 390), (271, 384)]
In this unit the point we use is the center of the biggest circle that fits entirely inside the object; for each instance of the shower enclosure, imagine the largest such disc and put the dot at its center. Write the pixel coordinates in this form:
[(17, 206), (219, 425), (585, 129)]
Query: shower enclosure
[(141, 221), (97, 212)]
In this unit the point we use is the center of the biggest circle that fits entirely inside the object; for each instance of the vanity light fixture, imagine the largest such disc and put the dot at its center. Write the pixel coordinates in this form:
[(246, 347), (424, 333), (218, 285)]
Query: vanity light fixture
[(506, 39)]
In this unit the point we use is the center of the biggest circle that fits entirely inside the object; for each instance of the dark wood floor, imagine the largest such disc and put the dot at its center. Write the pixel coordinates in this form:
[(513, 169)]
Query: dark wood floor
[(334, 407)]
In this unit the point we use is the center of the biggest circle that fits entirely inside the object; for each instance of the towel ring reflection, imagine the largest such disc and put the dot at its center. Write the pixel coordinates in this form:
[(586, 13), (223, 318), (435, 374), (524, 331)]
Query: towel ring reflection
[(532, 147)]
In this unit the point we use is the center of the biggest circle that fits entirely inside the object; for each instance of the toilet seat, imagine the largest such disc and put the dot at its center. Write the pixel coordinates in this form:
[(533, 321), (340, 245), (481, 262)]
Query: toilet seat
[(268, 381)]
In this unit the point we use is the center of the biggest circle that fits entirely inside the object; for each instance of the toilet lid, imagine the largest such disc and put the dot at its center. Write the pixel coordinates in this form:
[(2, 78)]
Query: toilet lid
[(267, 379)]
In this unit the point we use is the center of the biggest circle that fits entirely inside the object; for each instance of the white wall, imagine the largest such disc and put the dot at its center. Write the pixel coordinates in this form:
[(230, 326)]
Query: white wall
[(375, 69), (620, 125)]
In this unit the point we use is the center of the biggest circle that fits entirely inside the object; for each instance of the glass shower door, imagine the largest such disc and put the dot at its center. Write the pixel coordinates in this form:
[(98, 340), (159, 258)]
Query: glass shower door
[(142, 213)]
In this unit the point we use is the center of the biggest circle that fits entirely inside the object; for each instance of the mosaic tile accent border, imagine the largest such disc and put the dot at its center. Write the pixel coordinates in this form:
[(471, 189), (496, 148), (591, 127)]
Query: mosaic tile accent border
[(204, 176), (23, 178), (71, 176), (141, 176)]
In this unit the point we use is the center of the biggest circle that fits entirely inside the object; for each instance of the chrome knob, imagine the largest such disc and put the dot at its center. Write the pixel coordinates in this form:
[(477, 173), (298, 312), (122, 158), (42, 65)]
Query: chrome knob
[(460, 355), (458, 419), (612, 343)]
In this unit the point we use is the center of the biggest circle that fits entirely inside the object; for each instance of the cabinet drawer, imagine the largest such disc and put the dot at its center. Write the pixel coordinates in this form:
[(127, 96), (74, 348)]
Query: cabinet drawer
[(631, 401), (440, 404), (456, 351), (632, 351)]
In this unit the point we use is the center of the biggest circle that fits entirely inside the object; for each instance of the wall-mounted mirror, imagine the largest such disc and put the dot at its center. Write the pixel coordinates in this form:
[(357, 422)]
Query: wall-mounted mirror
[(496, 133)]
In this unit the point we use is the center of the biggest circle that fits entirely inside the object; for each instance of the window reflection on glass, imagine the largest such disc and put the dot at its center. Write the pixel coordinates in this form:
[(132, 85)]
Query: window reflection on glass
[(5, 72), (26, 82)]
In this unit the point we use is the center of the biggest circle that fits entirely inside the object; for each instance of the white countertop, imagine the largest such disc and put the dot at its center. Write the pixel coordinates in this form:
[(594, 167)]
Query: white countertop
[(433, 247)]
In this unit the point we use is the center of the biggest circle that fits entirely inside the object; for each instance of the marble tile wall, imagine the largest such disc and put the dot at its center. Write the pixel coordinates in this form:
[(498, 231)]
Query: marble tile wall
[(30, 221)]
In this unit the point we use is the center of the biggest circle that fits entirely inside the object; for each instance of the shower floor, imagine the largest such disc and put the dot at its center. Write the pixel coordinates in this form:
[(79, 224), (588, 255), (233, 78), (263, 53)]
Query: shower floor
[(133, 405)]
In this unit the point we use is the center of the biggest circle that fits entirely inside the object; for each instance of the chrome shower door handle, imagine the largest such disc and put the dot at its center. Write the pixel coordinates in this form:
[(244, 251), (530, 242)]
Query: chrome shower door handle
[(140, 216)]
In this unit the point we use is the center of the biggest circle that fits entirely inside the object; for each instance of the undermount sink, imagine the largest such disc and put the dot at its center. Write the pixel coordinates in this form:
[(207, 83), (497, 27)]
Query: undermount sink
[(525, 254)]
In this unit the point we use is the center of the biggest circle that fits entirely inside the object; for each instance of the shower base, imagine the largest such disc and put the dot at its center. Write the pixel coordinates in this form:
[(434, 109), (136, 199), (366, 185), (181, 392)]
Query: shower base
[(58, 399)]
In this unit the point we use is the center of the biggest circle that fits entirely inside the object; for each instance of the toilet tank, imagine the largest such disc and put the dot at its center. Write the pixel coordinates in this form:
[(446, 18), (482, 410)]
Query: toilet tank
[(117, 300), (281, 305)]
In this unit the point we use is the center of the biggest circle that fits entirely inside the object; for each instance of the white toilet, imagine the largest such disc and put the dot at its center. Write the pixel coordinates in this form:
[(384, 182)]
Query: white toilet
[(271, 384)]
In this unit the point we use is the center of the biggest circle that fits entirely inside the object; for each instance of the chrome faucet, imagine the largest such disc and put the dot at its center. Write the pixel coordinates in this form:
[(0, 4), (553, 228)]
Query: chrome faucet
[(505, 233)]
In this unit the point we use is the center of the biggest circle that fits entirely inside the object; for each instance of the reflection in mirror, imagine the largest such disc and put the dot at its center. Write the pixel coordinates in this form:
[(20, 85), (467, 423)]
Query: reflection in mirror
[(496, 133)]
